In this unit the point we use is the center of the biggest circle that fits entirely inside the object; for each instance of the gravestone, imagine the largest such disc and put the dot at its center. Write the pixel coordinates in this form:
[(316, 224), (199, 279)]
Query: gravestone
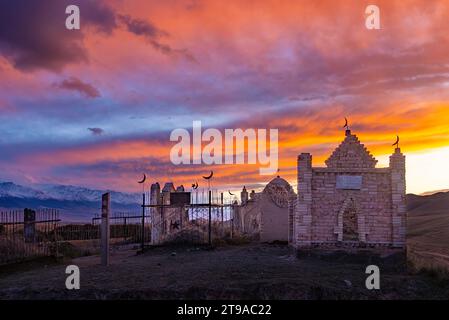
[(29, 225)]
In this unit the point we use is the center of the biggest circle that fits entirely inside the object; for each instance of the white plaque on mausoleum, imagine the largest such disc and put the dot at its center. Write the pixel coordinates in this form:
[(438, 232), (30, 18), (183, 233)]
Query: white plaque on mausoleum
[(349, 182)]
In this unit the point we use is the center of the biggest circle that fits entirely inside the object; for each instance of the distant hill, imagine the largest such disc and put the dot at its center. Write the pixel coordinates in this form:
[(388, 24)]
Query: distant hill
[(426, 204), (428, 193), (75, 203), (428, 229)]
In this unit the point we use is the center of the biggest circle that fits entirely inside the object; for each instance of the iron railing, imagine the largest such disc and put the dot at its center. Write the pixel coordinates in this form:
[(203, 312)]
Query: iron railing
[(26, 234)]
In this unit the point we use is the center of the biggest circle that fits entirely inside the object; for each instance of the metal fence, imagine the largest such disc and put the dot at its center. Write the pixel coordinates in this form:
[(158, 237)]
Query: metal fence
[(125, 227), (27, 234), (206, 218)]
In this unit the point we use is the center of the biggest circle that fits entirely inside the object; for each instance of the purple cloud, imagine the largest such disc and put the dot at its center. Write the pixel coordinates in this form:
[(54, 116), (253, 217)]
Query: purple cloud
[(96, 131), (33, 34), (83, 88), (152, 34)]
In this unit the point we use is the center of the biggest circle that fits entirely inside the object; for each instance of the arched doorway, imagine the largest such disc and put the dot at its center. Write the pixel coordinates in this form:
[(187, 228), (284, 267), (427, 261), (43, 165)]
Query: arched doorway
[(350, 222)]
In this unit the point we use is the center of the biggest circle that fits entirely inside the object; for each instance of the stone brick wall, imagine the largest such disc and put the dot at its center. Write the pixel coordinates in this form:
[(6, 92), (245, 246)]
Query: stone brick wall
[(303, 218), (373, 206)]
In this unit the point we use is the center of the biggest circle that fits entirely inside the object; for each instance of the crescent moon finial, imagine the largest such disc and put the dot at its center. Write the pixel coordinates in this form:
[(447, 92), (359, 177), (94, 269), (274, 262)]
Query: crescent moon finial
[(209, 176), (143, 179), (397, 142)]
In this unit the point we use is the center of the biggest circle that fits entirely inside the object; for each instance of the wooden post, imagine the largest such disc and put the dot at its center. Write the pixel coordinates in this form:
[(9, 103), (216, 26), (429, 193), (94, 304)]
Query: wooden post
[(105, 230), (222, 218), (210, 218), (232, 220), (55, 217), (143, 223)]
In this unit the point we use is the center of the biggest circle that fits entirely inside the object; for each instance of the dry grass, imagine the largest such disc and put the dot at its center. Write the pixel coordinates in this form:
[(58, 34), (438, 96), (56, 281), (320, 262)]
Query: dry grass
[(13, 250), (428, 237)]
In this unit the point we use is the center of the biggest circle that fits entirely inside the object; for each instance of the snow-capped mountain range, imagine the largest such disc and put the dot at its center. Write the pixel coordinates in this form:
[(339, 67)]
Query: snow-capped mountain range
[(63, 192), (73, 200)]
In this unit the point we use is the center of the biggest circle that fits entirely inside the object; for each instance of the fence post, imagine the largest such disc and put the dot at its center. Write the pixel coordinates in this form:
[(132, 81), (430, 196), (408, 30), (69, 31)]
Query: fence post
[(232, 220), (210, 218), (181, 213), (125, 232), (143, 223), (105, 231), (222, 218), (55, 217)]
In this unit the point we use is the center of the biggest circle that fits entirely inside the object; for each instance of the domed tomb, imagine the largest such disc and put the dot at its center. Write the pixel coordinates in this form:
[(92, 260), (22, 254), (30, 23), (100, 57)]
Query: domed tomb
[(279, 191), (276, 211)]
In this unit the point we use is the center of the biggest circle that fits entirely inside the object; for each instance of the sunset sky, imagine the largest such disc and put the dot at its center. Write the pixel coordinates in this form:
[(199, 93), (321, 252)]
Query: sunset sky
[(95, 107)]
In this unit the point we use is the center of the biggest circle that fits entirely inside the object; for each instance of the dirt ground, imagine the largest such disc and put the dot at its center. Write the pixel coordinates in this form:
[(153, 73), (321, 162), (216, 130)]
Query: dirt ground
[(252, 271)]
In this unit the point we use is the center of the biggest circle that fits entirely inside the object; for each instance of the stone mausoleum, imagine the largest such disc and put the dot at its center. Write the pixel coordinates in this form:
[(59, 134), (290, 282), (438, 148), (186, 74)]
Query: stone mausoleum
[(350, 202)]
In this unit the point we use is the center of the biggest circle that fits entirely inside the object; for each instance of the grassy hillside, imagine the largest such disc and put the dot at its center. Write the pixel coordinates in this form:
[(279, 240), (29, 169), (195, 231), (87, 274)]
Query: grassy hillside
[(428, 229), (428, 217)]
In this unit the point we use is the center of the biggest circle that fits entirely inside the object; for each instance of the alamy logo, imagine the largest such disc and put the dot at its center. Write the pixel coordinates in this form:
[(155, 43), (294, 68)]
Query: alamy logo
[(372, 20), (192, 152), (373, 280), (73, 280), (72, 22)]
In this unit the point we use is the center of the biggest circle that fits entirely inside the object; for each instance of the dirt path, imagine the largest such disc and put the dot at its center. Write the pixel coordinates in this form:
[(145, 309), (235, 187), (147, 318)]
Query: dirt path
[(434, 254), (233, 272)]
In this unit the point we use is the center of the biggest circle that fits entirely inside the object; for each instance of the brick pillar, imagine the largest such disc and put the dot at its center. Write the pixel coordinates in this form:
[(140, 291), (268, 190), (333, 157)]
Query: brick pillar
[(398, 206), (302, 226)]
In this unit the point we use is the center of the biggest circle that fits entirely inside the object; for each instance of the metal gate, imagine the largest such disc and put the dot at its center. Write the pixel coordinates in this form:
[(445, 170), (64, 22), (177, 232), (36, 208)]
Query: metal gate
[(27, 234), (202, 221)]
